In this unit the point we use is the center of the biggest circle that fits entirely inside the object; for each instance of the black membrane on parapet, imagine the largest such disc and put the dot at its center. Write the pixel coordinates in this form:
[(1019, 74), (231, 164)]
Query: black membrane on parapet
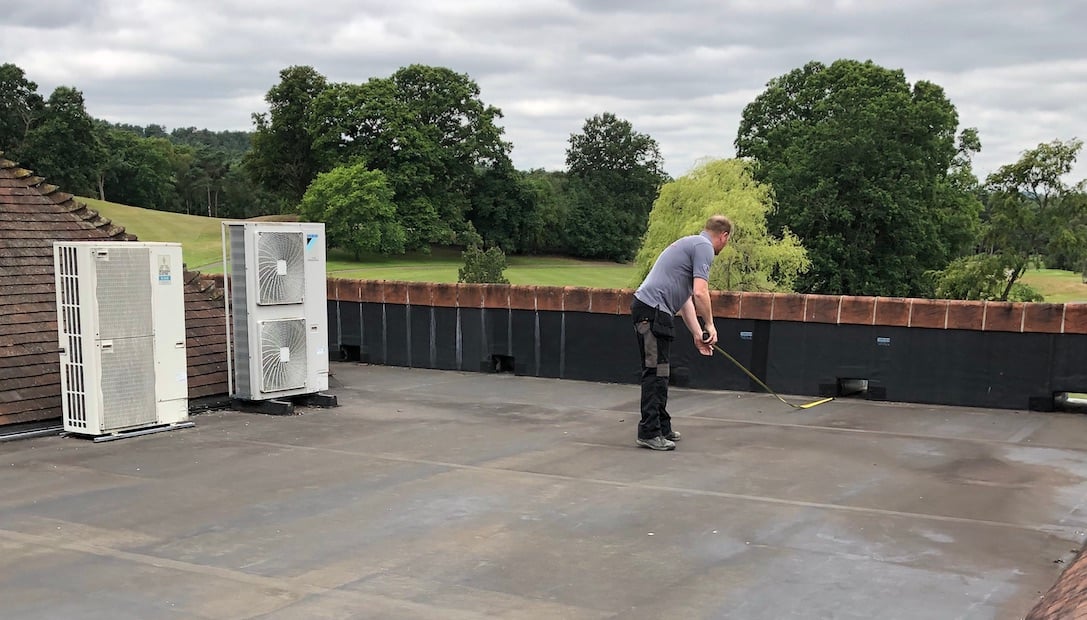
[(932, 366)]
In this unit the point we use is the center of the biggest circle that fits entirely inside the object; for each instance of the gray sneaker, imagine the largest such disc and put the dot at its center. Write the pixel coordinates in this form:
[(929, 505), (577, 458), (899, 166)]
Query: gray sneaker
[(657, 443), (673, 436)]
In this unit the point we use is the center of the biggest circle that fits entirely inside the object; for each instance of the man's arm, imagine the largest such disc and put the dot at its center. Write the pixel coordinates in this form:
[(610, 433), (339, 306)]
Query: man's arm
[(691, 320), (701, 301), (691, 315)]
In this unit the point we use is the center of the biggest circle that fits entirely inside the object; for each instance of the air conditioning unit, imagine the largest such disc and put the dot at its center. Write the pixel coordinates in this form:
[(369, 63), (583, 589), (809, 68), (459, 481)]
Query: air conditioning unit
[(121, 328), (277, 312)]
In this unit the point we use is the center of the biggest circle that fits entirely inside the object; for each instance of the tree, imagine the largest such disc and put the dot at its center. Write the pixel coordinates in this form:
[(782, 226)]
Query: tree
[(427, 130), (753, 260), (544, 227), (616, 172), (503, 203), (241, 197), (1032, 215), (20, 107), (282, 159), (136, 171), (860, 164), (982, 277), (357, 208), (64, 147)]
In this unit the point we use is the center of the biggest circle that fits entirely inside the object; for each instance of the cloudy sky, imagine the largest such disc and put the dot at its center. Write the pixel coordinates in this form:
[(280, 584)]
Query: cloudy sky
[(678, 70)]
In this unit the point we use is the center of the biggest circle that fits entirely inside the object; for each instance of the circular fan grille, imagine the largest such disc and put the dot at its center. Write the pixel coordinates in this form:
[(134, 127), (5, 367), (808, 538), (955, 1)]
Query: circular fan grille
[(283, 355), (280, 267)]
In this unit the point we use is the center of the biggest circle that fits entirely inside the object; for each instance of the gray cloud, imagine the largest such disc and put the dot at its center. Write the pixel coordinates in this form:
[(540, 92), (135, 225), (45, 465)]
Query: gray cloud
[(681, 71), (48, 14)]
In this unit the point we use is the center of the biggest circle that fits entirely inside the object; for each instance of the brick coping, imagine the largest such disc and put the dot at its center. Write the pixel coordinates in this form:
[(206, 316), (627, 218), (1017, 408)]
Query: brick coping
[(1021, 317)]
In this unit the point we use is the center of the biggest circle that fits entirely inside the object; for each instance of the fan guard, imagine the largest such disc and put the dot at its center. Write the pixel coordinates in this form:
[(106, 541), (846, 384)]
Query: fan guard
[(283, 355), (280, 268)]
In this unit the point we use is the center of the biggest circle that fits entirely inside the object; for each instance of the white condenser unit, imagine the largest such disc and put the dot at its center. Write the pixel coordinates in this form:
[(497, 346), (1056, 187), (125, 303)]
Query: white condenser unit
[(121, 327), (277, 312)]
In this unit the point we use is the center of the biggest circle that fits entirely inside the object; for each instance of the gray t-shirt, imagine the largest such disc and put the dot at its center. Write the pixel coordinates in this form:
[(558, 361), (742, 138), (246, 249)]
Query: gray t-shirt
[(669, 282)]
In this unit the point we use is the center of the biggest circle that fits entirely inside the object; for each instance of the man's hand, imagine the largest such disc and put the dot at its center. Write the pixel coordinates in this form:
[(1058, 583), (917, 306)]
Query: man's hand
[(709, 334), (704, 347), (704, 342)]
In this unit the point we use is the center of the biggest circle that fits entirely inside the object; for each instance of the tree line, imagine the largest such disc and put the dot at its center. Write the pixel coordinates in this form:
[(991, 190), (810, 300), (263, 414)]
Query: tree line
[(186, 170), (848, 180)]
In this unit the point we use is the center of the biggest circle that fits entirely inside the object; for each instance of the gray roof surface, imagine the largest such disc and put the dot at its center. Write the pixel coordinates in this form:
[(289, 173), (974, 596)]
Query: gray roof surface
[(438, 494)]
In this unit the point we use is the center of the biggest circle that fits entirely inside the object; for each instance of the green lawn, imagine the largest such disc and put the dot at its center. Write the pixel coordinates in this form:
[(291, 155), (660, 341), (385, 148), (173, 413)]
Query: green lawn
[(201, 242), (442, 265), (1057, 285)]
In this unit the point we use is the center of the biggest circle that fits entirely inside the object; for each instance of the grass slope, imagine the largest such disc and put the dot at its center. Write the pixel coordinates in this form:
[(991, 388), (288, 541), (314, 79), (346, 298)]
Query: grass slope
[(201, 244), (200, 237)]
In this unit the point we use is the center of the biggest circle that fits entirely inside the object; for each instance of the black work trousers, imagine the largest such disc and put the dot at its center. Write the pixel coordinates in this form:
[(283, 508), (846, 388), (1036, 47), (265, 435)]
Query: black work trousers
[(655, 330)]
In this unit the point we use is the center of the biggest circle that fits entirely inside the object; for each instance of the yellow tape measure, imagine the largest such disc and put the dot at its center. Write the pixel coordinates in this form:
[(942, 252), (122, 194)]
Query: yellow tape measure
[(767, 387)]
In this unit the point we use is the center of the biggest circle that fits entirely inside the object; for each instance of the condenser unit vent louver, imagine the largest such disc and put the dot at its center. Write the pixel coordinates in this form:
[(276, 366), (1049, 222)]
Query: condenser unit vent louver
[(281, 277), (283, 355)]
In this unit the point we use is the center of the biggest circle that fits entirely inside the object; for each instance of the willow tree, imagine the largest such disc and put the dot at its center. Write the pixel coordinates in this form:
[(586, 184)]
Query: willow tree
[(754, 260)]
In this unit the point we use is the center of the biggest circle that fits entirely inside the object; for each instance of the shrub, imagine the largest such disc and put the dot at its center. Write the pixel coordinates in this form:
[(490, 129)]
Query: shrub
[(483, 267)]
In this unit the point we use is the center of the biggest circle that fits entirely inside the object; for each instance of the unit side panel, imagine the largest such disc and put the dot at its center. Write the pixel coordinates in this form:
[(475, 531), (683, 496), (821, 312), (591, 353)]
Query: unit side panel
[(171, 367), (239, 314)]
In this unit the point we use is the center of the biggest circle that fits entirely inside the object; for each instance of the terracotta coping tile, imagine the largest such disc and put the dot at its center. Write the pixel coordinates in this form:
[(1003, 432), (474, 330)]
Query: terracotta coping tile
[(604, 301), (348, 290), (626, 297), (549, 298), (823, 308), (420, 293), (396, 292), (496, 296), (1003, 316), (469, 295), (1075, 318), (726, 304), (1043, 318), (790, 307), (930, 313), (965, 314), (575, 299), (759, 306), (522, 297), (893, 311), (857, 310), (445, 295), (372, 291)]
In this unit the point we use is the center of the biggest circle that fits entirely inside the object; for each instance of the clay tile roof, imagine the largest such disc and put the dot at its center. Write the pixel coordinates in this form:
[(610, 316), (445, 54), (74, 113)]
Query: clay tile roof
[(34, 214)]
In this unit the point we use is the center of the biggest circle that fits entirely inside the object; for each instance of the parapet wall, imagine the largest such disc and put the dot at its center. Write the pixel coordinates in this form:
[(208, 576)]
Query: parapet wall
[(837, 309), (992, 354)]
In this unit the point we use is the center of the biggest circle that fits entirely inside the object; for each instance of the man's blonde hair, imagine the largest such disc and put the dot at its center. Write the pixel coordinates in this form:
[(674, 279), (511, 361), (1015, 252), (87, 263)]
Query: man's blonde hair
[(719, 224)]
